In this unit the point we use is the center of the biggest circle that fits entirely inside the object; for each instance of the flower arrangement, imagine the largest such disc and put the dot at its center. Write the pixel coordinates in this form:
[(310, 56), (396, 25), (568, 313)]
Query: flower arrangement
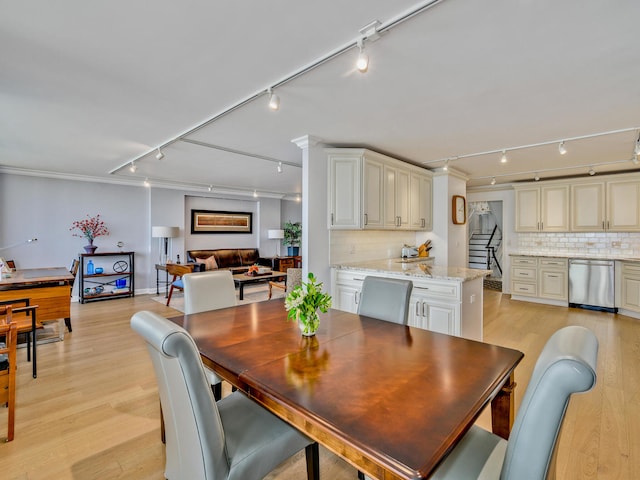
[(90, 228), (303, 303), (253, 269)]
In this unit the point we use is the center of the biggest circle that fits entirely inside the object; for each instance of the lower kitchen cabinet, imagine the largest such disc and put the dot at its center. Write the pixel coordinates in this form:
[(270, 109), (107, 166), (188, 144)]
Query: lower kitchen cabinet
[(629, 287), (540, 279), (446, 306)]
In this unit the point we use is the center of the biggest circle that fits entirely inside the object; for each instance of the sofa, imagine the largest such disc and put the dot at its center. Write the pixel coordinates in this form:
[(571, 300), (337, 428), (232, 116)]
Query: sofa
[(238, 260)]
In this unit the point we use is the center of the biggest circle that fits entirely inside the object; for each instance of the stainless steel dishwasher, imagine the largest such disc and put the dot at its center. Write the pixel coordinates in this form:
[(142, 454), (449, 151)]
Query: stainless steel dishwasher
[(591, 284)]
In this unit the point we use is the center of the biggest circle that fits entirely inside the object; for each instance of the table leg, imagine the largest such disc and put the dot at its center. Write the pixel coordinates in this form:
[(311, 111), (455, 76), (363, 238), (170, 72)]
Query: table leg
[(157, 282), (33, 335), (502, 409), (242, 291)]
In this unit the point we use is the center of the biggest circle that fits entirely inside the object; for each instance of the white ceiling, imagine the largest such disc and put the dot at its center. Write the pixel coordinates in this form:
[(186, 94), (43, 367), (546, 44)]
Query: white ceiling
[(87, 87)]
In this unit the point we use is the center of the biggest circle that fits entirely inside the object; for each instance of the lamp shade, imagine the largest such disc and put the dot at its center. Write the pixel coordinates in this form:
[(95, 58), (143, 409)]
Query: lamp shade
[(273, 234), (165, 232)]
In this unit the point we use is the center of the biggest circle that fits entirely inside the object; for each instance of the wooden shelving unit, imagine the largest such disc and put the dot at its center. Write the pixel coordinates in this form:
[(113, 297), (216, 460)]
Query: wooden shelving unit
[(117, 266)]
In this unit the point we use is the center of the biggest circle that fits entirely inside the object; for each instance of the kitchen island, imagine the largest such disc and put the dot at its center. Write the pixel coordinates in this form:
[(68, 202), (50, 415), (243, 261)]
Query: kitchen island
[(444, 299)]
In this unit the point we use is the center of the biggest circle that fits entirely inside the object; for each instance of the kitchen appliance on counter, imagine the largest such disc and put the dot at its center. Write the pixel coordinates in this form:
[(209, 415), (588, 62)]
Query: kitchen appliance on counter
[(591, 284), (409, 252)]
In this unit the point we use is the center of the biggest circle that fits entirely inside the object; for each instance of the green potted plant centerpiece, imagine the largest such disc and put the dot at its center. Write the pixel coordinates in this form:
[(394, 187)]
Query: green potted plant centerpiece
[(304, 303), (292, 237)]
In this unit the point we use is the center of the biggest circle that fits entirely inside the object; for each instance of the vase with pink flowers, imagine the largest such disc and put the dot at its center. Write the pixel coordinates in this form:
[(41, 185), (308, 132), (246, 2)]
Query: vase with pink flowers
[(89, 228)]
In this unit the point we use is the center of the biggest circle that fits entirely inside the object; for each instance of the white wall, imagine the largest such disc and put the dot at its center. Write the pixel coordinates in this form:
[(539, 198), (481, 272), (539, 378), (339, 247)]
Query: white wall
[(44, 208)]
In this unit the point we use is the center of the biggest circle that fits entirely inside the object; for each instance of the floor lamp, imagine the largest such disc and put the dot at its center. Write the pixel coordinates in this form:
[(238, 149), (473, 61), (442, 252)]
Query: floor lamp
[(276, 235), (164, 234)]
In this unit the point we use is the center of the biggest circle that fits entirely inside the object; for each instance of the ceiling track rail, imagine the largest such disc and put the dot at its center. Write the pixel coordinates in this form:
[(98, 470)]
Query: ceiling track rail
[(383, 27)]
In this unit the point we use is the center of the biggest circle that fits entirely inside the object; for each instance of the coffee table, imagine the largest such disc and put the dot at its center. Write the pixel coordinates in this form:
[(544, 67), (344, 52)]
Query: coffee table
[(242, 279)]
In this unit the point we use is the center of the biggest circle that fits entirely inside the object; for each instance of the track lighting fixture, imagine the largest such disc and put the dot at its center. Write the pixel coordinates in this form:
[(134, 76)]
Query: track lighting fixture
[(362, 64), (637, 149), (445, 167), (159, 155), (210, 188), (493, 181), (274, 100), (279, 167), (503, 159), (146, 182), (635, 160), (561, 148), (592, 172), (133, 167), (537, 177), (255, 194)]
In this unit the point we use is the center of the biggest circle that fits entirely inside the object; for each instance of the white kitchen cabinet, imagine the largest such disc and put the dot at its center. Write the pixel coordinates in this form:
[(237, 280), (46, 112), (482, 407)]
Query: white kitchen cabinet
[(629, 298), (425, 313), (447, 306), (373, 188), (420, 188), (553, 274), (542, 209), (344, 191), (540, 279), (396, 197), (602, 206), (368, 190)]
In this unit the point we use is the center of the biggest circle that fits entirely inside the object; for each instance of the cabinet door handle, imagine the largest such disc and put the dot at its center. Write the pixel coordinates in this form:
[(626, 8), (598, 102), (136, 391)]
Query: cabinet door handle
[(608, 225), (541, 225), (417, 309), (603, 225), (425, 311), (332, 219), (424, 223), (553, 276), (366, 219), (357, 298)]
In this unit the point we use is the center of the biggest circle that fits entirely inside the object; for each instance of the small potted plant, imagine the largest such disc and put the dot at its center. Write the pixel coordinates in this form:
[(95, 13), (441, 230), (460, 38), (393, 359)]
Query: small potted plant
[(305, 302), (90, 228), (292, 237)]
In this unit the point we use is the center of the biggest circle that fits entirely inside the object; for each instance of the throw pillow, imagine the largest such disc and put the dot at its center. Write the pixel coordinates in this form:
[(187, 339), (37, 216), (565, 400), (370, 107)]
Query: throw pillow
[(209, 263)]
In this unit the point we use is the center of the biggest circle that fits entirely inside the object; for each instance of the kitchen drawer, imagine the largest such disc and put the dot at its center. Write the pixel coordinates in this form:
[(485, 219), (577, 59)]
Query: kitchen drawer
[(524, 261), (350, 276), (441, 291), (520, 288), (519, 273), (554, 263), (632, 269)]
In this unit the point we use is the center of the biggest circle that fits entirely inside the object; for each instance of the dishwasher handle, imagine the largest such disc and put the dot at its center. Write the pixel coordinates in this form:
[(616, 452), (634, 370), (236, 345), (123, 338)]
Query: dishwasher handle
[(597, 263)]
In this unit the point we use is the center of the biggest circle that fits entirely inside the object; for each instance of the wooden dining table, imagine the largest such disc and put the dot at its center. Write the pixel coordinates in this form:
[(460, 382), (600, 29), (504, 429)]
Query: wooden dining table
[(392, 400)]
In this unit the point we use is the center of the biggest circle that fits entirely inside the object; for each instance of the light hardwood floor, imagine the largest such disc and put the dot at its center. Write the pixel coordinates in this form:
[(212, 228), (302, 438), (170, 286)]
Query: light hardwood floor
[(93, 411)]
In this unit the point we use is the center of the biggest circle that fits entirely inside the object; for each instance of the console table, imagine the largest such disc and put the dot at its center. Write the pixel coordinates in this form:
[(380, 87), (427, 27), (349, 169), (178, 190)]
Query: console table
[(280, 264), (116, 280)]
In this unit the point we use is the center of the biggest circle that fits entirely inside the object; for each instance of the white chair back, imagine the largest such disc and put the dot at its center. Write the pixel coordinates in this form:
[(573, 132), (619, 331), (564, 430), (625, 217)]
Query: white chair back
[(208, 291)]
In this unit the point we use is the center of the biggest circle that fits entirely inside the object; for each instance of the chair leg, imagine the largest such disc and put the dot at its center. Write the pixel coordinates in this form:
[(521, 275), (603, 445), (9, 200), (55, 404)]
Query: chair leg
[(170, 293), (217, 391), (67, 322), (162, 434), (312, 452), (360, 475), (270, 292)]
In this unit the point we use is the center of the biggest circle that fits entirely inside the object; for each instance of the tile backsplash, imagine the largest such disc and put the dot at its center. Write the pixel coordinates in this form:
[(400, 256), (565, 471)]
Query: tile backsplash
[(613, 244), (349, 246)]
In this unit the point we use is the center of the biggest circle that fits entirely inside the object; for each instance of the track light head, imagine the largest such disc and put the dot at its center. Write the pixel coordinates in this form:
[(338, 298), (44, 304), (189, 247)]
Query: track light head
[(362, 63), (210, 188), (637, 149), (146, 182), (561, 148), (493, 181), (274, 101), (537, 177), (592, 172), (159, 155), (445, 167), (133, 167), (279, 167), (635, 160), (503, 159), (255, 194)]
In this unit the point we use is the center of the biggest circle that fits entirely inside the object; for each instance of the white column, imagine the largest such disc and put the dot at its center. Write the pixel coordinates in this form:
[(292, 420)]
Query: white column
[(315, 234)]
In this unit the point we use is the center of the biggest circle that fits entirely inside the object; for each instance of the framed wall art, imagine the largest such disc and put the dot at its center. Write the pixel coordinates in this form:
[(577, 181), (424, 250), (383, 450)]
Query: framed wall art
[(208, 221)]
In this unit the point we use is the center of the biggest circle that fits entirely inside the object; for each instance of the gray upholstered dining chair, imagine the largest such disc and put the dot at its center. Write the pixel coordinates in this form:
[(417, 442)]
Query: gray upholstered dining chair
[(566, 365), (385, 299), (234, 438), (209, 291)]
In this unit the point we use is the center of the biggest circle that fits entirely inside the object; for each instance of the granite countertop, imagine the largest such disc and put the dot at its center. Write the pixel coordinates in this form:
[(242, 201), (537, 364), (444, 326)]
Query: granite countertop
[(596, 256), (422, 268)]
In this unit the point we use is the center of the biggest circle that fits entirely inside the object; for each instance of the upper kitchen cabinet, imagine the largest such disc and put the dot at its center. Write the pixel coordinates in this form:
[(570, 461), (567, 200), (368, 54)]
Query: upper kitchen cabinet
[(606, 205), (542, 208), (345, 180), (368, 190)]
